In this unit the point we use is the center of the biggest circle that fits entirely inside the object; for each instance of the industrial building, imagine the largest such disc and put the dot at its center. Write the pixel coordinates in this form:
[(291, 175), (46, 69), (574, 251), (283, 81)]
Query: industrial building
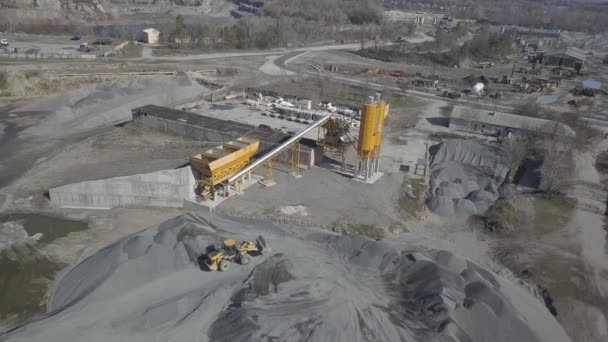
[(149, 35), (217, 164), (500, 125), (212, 172), (549, 37), (206, 128), (571, 58), (218, 173), (425, 82)]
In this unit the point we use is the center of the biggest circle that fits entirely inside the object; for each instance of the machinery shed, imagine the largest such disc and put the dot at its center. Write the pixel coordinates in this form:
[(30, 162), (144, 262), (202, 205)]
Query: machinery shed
[(150, 36), (205, 128)]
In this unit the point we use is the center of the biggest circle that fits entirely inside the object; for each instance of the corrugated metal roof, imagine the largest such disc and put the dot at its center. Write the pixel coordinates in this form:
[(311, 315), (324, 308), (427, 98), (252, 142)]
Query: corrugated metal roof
[(237, 128), (575, 54), (570, 52), (510, 120)]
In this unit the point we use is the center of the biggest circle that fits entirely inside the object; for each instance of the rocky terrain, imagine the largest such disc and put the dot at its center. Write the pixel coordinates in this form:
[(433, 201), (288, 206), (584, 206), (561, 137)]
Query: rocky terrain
[(465, 177), (67, 11), (311, 285)]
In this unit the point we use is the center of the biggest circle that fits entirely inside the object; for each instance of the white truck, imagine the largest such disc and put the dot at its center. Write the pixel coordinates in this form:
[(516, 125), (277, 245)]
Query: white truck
[(3, 42)]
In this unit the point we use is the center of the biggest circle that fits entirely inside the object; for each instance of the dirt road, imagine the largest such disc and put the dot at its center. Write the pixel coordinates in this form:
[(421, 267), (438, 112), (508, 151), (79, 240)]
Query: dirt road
[(147, 52), (284, 61), (587, 225)]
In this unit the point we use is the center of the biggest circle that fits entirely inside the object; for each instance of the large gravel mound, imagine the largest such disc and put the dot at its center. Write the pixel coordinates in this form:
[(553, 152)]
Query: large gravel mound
[(313, 286), (465, 177), (110, 103)]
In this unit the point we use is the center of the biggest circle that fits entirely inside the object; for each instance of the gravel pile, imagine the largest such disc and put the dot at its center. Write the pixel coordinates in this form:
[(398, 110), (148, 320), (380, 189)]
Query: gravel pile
[(313, 285), (110, 103), (465, 177)]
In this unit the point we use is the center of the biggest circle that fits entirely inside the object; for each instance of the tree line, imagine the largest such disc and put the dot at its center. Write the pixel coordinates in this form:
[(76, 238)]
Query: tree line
[(332, 12), (267, 32), (572, 16)]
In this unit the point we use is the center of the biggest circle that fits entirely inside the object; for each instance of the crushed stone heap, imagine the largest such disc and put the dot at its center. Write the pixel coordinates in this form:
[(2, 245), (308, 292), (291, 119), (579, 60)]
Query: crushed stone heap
[(313, 285), (465, 177)]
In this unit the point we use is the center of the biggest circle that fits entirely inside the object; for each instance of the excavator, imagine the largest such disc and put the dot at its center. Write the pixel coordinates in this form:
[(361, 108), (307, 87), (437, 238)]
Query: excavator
[(221, 258)]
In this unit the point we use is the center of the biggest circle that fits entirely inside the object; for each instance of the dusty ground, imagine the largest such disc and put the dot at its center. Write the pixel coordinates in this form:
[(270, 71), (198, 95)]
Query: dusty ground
[(128, 149), (321, 198), (542, 246), (311, 284), (353, 65)]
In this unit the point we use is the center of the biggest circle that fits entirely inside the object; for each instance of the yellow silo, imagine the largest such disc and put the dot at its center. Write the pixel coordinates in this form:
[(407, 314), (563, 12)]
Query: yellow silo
[(382, 107), (367, 130)]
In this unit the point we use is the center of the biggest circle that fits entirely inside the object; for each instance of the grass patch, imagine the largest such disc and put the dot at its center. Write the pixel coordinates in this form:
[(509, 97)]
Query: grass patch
[(446, 111), (371, 231), (26, 275), (400, 101), (131, 51), (440, 136), (160, 52), (268, 211), (552, 212), (3, 81), (32, 73), (557, 272), (502, 215), (413, 196)]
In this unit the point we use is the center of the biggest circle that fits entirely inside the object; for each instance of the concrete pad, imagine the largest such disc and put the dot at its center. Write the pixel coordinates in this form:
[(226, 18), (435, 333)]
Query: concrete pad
[(268, 183), (296, 175), (193, 205), (370, 180)]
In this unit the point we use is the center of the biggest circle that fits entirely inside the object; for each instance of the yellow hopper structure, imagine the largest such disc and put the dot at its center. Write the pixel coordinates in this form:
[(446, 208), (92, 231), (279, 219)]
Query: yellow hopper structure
[(219, 163)]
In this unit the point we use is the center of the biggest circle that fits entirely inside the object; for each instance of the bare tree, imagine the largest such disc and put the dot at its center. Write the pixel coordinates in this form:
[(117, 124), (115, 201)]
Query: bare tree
[(529, 108), (404, 84), (514, 151), (557, 149), (585, 133), (557, 169), (469, 116)]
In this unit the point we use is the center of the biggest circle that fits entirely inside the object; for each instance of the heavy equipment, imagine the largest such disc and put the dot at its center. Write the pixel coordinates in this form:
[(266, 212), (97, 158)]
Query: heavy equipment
[(219, 163), (222, 257)]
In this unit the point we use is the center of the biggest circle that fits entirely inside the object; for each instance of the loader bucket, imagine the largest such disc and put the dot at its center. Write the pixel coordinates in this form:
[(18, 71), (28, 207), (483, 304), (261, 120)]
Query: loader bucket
[(261, 244)]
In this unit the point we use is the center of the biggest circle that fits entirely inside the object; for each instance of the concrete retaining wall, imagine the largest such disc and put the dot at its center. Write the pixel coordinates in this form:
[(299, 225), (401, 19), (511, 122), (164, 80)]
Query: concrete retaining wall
[(167, 188)]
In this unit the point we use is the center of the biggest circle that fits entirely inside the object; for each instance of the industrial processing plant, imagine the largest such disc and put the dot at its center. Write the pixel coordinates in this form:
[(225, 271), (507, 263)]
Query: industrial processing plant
[(244, 153), (370, 138)]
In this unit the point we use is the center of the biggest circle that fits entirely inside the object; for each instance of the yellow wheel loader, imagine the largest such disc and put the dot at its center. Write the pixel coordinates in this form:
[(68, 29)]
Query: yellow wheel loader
[(221, 258)]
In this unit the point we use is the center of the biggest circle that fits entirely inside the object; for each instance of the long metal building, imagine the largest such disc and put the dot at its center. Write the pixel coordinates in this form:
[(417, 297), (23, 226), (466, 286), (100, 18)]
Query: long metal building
[(217, 131)]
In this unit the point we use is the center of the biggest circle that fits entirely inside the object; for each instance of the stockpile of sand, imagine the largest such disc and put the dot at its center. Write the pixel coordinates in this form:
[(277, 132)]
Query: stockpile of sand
[(465, 177), (313, 285), (109, 103)]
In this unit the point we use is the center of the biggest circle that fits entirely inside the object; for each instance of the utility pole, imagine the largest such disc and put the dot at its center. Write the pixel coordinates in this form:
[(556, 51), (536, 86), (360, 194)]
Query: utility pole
[(363, 40), (435, 57)]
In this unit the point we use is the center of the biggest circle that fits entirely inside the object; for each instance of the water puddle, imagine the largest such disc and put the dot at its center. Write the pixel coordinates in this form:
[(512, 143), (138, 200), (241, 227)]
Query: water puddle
[(25, 272), (24, 280), (51, 228)]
